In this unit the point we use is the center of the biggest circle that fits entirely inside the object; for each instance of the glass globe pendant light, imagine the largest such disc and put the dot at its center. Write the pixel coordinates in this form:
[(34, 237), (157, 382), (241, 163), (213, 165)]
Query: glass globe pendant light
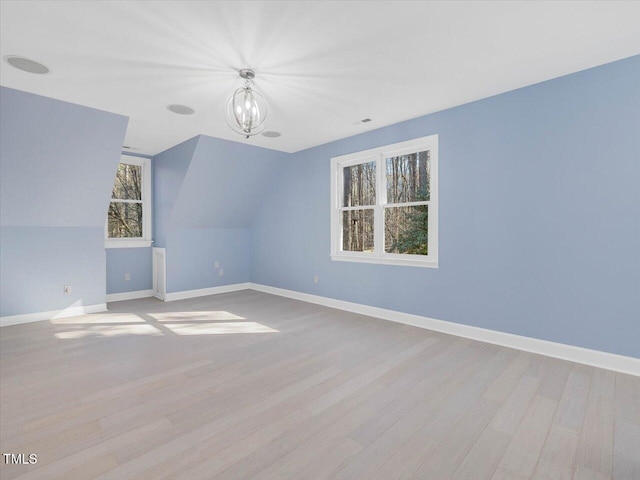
[(246, 108)]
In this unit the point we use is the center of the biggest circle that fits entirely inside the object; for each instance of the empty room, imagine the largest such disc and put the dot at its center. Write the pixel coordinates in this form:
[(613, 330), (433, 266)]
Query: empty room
[(320, 240)]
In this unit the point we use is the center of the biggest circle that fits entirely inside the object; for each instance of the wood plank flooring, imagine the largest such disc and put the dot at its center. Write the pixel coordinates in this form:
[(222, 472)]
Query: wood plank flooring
[(250, 385)]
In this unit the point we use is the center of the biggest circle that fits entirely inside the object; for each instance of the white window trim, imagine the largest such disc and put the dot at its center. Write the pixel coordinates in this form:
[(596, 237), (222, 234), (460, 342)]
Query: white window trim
[(146, 240), (379, 155)]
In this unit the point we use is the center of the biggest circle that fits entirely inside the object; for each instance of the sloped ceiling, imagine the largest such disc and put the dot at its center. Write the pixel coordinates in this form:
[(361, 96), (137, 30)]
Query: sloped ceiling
[(225, 183), (57, 161), (169, 171), (323, 66)]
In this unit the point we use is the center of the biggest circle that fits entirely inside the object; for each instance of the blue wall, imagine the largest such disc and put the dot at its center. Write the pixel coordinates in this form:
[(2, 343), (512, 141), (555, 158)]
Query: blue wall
[(57, 165), (539, 216), (169, 170), (36, 263), (58, 161), (192, 253), (134, 261), (207, 192), (225, 184)]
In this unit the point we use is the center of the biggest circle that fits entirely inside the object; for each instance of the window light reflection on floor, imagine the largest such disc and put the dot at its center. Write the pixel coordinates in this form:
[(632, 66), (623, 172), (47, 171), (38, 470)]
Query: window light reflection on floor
[(194, 316), (120, 324), (218, 328), (110, 331), (97, 318)]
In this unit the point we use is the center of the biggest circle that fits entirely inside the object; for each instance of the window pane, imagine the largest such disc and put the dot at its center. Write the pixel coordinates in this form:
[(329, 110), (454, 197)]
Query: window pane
[(128, 184), (408, 178), (357, 230), (125, 220), (359, 185), (406, 229)]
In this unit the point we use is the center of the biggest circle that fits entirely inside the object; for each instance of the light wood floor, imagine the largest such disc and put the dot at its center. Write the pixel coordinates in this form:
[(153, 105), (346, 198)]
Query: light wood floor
[(249, 385)]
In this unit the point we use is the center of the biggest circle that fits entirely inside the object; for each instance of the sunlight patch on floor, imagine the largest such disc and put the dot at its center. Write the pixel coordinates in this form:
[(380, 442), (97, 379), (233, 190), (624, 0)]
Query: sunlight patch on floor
[(219, 328), (109, 331), (157, 324), (97, 318), (193, 316)]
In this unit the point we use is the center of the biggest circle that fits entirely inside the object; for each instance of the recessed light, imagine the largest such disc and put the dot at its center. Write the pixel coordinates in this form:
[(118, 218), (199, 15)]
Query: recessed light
[(365, 120), (26, 65), (271, 134), (181, 109)]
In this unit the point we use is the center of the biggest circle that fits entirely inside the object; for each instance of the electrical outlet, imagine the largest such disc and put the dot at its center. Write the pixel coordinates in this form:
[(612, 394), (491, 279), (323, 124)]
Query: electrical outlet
[(216, 264), (221, 272), (127, 277), (315, 279), (67, 289)]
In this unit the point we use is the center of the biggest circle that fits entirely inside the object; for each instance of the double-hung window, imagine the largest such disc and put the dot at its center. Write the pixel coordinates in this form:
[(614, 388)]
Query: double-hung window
[(129, 216), (384, 204)]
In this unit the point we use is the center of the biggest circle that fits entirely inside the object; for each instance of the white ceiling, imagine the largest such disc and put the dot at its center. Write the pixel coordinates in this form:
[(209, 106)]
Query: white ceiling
[(323, 66)]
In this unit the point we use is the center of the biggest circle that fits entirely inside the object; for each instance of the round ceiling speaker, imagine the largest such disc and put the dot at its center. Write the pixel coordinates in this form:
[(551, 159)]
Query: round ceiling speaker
[(271, 134), (26, 65), (181, 109)]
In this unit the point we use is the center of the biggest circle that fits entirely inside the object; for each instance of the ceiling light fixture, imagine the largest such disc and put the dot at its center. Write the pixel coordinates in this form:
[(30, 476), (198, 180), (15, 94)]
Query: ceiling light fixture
[(246, 108)]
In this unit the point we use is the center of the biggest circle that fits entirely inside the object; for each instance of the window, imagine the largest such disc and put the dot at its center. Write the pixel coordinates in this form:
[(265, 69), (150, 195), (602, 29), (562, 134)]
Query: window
[(129, 216), (384, 204)]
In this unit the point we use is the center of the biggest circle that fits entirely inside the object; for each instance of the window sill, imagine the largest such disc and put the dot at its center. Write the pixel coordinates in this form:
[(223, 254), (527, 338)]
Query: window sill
[(405, 262), (127, 243)]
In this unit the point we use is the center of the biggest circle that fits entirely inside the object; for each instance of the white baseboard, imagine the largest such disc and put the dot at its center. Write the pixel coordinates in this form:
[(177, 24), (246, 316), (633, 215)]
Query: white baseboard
[(595, 358), (119, 297), (202, 292), (52, 314)]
